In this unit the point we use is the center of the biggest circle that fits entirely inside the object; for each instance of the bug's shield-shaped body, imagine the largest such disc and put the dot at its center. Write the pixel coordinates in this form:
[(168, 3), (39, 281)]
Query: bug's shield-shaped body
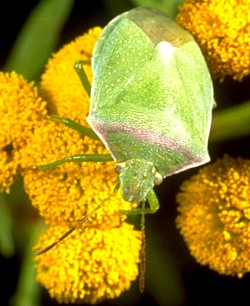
[(151, 98)]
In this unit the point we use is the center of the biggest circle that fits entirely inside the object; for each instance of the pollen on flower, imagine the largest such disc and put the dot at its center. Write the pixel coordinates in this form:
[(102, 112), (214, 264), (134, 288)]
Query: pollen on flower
[(61, 86), (222, 29), (214, 216), (70, 191), (99, 259), (20, 111), (91, 264)]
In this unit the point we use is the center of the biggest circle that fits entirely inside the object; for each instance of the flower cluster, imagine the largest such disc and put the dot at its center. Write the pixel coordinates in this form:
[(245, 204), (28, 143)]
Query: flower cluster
[(20, 111), (222, 29), (214, 216), (99, 260)]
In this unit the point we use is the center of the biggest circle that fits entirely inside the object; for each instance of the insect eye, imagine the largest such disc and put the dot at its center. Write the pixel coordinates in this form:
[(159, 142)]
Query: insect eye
[(119, 167), (158, 179)]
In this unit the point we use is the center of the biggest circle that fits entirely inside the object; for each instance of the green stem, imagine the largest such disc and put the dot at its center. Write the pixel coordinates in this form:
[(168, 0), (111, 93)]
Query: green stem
[(28, 292), (231, 123), (7, 247)]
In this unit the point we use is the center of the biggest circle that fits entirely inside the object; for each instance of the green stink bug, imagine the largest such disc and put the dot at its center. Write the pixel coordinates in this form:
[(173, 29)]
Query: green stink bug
[(151, 103), (151, 99)]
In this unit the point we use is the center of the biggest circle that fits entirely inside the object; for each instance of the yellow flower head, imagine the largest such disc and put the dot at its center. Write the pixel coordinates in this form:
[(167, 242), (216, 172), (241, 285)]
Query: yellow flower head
[(99, 259), (61, 86), (70, 191), (214, 216), (89, 265), (222, 29), (67, 193), (20, 111)]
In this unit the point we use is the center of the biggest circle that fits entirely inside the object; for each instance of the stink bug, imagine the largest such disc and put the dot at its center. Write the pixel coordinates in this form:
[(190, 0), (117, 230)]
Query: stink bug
[(151, 102), (151, 99)]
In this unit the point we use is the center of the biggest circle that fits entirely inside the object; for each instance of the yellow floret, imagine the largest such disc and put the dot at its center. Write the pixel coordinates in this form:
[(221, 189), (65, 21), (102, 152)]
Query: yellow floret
[(222, 29), (21, 109), (214, 216), (91, 264)]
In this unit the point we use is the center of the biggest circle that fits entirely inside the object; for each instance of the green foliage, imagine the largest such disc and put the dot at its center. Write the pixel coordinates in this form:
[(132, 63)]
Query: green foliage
[(170, 7), (6, 236), (38, 37)]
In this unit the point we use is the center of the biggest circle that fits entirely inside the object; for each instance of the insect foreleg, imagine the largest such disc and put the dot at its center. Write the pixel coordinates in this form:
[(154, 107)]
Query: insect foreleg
[(153, 206), (82, 75), (78, 159)]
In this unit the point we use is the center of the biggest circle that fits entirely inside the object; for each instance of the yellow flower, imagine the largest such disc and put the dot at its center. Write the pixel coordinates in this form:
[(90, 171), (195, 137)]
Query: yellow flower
[(214, 216), (99, 259), (91, 264), (70, 191), (61, 86), (222, 29), (20, 111), (67, 193)]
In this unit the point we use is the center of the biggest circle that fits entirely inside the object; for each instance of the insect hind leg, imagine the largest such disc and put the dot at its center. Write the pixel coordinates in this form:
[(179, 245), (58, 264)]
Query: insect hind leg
[(75, 126), (153, 206)]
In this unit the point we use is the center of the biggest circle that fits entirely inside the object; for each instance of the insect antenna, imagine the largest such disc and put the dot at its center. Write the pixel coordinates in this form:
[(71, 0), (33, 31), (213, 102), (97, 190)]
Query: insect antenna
[(79, 223), (143, 253)]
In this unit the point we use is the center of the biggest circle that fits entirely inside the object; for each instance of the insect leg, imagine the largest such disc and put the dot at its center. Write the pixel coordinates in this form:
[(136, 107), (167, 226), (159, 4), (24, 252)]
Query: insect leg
[(153, 202), (86, 85), (76, 158), (75, 126), (153, 206), (82, 75)]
